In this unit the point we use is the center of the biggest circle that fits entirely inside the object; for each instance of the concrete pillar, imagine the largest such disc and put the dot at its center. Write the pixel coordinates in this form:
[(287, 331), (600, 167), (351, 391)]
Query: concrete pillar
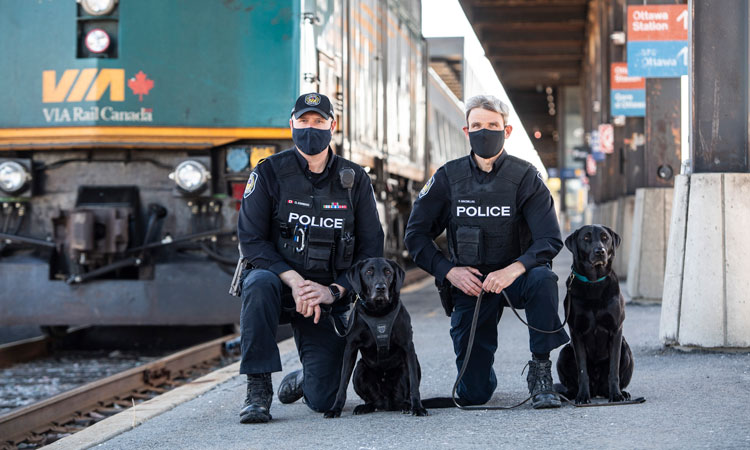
[(624, 227), (706, 288), (648, 244)]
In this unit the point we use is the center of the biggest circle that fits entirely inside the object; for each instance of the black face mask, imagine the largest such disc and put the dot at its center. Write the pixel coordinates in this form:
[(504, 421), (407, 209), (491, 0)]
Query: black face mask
[(311, 140), (486, 143)]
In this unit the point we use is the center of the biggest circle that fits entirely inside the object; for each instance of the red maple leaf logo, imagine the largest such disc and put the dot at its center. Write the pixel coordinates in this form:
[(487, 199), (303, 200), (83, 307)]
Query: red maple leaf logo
[(140, 85)]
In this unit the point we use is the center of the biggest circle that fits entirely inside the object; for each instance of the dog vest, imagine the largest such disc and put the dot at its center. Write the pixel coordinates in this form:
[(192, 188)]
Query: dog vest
[(315, 226), (381, 327), (486, 230)]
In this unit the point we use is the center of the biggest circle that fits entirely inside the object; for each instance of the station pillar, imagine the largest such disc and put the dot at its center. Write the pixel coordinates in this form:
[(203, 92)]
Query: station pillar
[(652, 212), (706, 297)]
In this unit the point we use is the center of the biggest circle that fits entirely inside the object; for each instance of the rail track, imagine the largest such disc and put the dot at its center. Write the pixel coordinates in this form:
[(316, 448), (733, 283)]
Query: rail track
[(51, 419), (56, 417)]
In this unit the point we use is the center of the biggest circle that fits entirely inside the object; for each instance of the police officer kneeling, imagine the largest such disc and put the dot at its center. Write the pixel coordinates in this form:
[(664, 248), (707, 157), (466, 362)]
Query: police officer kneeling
[(502, 233), (307, 215)]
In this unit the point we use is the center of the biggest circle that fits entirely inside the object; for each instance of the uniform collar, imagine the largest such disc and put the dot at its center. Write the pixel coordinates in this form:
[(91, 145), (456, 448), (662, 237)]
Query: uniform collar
[(495, 165), (304, 166)]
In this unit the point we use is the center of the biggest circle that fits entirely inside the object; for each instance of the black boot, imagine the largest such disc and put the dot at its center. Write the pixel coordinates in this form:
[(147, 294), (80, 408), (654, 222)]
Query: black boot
[(258, 400), (290, 389), (542, 392)]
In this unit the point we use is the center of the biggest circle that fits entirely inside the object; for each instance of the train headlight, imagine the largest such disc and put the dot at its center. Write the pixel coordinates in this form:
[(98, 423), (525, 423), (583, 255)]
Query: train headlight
[(97, 41), (190, 176), (98, 7), (13, 177)]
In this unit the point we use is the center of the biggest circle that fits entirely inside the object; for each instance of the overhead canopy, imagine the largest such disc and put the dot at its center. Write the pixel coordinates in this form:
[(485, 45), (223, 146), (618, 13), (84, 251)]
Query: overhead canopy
[(533, 45)]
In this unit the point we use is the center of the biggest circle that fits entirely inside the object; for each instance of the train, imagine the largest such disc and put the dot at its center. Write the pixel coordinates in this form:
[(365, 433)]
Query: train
[(129, 128)]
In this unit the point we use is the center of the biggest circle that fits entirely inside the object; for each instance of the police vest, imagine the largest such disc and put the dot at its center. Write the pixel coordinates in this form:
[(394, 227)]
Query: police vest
[(315, 226), (486, 229)]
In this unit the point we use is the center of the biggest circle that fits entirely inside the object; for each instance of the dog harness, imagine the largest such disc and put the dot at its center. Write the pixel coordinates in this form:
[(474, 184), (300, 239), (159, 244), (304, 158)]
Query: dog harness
[(381, 327)]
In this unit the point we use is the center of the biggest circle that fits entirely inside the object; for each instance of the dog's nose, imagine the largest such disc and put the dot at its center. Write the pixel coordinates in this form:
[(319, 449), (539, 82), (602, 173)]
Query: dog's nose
[(601, 251), (380, 287)]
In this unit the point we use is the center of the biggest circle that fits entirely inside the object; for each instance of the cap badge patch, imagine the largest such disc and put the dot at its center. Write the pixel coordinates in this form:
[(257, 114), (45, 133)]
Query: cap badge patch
[(427, 187), (250, 185), (312, 99)]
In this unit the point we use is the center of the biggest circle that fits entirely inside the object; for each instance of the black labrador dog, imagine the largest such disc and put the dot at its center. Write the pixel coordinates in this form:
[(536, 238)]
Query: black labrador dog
[(388, 374), (598, 361)]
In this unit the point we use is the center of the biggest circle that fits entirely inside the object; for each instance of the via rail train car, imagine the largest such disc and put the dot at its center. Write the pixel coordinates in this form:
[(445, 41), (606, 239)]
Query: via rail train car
[(128, 130)]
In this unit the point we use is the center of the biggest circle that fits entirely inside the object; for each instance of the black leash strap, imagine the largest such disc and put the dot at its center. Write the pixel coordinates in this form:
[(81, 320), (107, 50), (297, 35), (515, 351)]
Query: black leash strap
[(461, 372), (350, 323)]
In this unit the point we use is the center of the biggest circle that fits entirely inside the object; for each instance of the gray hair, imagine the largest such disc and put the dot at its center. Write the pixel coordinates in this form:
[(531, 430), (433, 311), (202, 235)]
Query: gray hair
[(488, 102)]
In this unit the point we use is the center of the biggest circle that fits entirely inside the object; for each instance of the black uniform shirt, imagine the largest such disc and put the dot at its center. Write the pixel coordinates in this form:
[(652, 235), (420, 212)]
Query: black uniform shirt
[(259, 208), (431, 214)]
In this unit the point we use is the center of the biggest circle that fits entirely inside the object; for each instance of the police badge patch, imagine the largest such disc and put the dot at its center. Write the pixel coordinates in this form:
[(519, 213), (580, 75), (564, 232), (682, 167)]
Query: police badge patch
[(312, 99), (427, 187), (250, 184)]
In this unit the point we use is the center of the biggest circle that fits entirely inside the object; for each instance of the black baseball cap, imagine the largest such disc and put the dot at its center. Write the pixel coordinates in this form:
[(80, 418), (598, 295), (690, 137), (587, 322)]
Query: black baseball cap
[(313, 102)]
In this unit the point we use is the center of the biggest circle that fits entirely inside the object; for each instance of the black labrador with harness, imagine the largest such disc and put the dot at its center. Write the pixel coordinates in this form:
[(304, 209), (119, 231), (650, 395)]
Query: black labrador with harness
[(598, 362), (388, 374)]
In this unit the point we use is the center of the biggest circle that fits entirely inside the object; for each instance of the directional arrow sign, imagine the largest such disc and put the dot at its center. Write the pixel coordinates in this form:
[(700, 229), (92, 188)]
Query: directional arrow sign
[(684, 18), (657, 41)]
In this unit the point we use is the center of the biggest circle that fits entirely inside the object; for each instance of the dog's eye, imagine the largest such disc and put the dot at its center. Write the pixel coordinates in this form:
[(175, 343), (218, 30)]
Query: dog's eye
[(387, 272), (605, 237), (587, 238), (370, 271)]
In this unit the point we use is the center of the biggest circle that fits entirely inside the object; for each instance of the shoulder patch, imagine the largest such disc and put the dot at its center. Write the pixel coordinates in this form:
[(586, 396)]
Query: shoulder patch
[(251, 182), (427, 186)]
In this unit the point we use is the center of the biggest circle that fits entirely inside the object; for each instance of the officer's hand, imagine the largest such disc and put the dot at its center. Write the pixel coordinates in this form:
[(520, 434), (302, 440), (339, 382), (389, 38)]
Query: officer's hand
[(500, 279), (312, 294), (465, 278)]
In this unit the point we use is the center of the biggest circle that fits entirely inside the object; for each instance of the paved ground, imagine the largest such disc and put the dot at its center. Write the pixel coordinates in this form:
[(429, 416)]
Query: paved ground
[(694, 400)]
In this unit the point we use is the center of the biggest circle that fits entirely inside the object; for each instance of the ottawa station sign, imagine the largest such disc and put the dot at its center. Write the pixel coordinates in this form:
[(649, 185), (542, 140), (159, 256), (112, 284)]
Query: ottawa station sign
[(91, 85)]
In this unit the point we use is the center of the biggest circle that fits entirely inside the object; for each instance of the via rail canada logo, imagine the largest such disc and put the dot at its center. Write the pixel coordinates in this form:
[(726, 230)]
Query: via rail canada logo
[(90, 85)]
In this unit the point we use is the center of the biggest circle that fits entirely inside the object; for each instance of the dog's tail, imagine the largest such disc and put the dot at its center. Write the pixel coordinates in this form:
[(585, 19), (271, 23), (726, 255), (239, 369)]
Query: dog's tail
[(442, 402)]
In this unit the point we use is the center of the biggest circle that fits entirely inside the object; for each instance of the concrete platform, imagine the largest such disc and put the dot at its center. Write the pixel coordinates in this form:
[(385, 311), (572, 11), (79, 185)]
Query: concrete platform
[(693, 400)]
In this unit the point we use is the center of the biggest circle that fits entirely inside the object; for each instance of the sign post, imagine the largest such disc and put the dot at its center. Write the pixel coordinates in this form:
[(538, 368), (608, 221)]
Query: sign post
[(657, 41)]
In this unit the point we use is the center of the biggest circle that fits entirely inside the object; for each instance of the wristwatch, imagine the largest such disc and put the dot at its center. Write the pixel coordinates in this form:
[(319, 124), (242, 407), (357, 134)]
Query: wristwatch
[(335, 292)]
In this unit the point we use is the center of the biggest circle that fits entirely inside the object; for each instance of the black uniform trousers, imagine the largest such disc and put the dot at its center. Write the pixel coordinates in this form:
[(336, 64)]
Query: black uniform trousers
[(536, 292), (264, 299)]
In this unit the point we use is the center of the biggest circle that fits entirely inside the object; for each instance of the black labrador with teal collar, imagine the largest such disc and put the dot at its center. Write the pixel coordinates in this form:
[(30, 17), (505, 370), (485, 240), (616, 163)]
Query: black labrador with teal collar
[(598, 361), (388, 374)]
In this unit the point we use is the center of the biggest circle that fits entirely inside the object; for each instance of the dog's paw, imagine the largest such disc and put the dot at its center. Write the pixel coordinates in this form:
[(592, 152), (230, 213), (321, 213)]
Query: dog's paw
[(363, 409), (618, 396), (332, 413), (626, 394), (583, 398), (419, 411)]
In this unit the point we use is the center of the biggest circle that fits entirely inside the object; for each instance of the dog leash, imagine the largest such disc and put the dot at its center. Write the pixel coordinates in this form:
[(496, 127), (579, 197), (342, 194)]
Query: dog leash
[(350, 323), (465, 364)]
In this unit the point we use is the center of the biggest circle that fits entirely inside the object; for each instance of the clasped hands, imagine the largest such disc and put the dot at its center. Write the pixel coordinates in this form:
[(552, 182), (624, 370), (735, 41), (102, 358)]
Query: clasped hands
[(467, 279), (308, 295)]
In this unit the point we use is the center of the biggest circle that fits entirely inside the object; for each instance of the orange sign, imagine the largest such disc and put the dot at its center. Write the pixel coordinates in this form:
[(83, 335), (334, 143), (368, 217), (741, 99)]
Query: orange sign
[(619, 78), (657, 23)]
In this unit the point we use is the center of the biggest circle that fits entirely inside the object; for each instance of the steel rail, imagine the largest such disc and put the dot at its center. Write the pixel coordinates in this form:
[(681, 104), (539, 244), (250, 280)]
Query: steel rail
[(29, 423), (25, 350)]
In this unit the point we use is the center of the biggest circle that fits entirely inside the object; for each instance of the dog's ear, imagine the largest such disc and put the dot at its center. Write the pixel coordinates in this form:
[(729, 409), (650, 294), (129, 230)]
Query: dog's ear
[(398, 277), (615, 237), (354, 277), (572, 242)]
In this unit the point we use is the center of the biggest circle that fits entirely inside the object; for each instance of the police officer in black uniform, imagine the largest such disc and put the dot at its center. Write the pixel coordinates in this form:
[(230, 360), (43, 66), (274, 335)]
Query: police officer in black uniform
[(502, 234), (307, 215)]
